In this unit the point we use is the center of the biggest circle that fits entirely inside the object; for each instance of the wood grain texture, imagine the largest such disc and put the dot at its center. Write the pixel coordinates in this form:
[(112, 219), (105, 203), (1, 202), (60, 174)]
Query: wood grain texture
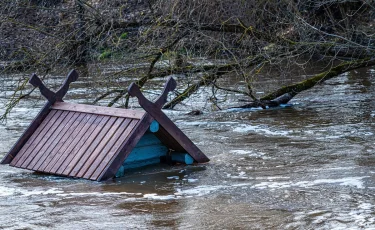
[(91, 128), (30, 142), (82, 127), (69, 135), (99, 110), (84, 162), (93, 148), (51, 97), (110, 151), (37, 153), (51, 142), (31, 129), (93, 142), (38, 143), (125, 148), (102, 149)]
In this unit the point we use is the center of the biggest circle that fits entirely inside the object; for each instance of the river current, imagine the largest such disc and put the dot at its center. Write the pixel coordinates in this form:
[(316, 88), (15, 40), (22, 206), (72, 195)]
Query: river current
[(307, 166)]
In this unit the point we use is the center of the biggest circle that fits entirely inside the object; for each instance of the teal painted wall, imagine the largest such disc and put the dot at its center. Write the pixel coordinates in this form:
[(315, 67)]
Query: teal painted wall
[(148, 151)]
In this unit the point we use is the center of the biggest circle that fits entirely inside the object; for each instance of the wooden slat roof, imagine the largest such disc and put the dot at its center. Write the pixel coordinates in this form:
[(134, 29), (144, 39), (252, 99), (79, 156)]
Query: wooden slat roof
[(75, 144), (92, 142)]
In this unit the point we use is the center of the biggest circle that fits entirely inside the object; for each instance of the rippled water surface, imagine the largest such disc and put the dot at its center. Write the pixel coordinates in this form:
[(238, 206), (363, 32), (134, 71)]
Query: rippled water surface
[(309, 166)]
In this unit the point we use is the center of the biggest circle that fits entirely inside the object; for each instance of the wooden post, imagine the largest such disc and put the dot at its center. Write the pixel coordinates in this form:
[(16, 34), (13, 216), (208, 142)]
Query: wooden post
[(52, 98)]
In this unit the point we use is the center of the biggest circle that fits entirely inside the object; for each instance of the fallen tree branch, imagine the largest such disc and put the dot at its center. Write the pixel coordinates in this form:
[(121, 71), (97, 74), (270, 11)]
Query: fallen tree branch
[(206, 80), (294, 89)]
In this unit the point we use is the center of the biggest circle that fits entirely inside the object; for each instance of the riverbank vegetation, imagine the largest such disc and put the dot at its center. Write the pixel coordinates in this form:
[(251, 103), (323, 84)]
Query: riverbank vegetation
[(296, 44)]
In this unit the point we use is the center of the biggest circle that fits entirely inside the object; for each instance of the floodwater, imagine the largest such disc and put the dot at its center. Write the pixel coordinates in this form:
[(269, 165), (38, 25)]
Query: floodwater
[(309, 166)]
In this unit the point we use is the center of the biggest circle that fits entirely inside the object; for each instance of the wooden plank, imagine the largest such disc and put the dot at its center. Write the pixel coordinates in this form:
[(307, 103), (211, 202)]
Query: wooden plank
[(30, 142), (85, 141), (69, 135), (27, 134), (53, 149), (168, 140), (176, 133), (100, 110), (51, 142), (51, 126), (172, 129), (112, 137), (32, 151), (72, 77), (154, 110), (111, 149), (124, 150), (47, 93), (93, 150)]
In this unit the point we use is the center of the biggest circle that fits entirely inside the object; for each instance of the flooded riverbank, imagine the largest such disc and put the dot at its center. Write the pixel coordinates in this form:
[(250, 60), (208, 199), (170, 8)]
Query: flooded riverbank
[(309, 166)]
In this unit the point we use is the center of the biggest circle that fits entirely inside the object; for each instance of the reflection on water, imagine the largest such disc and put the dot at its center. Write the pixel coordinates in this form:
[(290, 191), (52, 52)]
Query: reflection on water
[(307, 166)]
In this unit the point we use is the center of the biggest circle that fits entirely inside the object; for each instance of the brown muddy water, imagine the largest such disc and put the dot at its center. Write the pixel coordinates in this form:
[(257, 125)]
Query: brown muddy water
[(309, 166)]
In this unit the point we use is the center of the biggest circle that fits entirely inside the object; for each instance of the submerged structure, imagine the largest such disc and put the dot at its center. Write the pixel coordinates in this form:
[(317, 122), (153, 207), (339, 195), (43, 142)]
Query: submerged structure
[(99, 143)]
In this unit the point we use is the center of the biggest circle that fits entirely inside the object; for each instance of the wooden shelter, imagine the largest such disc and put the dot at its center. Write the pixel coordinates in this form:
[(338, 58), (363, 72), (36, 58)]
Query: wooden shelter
[(98, 143)]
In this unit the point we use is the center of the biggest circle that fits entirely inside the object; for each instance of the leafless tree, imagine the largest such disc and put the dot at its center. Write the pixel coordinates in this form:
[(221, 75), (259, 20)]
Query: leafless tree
[(208, 41)]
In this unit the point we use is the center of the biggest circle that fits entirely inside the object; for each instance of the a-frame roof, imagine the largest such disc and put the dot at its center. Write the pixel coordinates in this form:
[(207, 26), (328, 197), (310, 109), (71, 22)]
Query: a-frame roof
[(92, 142)]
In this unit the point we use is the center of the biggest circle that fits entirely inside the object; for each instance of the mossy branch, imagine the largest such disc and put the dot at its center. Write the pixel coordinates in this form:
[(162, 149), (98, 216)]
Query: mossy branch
[(294, 89)]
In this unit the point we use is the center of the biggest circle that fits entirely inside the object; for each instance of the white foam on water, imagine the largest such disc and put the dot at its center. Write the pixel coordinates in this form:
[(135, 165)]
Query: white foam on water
[(241, 152), (199, 190), (173, 177), (272, 178), (334, 168), (347, 181), (243, 128), (360, 217), (98, 194), (204, 123), (7, 191), (20, 192), (154, 196)]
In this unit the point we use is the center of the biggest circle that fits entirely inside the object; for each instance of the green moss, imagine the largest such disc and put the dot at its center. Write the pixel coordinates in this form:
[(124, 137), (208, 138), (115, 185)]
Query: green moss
[(123, 36), (105, 54)]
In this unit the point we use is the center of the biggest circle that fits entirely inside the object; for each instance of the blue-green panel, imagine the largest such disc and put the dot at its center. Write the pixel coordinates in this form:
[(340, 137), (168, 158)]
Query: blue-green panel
[(148, 139), (146, 152)]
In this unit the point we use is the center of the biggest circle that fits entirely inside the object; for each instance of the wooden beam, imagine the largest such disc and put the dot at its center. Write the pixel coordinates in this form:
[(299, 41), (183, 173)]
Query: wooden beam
[(48, 94), (72, 77), (111, 169), (155, 111), (100, 110)]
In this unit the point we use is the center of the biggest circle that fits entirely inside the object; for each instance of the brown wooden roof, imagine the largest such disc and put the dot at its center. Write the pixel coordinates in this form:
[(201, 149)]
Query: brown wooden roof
[(77, 143), (91, 142)]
